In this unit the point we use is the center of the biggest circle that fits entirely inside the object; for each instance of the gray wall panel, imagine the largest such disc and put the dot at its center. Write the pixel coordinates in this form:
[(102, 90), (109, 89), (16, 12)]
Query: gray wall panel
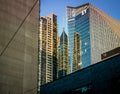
[(18, 63)]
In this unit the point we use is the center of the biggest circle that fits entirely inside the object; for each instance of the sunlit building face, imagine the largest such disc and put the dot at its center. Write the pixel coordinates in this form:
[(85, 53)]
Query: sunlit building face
[(98, 33), (48, 49)]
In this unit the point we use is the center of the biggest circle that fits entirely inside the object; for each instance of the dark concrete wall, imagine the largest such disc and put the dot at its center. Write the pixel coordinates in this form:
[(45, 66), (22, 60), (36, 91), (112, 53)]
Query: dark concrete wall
[(103, 78), (18, 46)]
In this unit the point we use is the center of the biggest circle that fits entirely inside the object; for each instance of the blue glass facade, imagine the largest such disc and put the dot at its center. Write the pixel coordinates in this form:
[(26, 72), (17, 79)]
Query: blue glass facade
[(71, 26), (82, 26), (71, 29), (79, 23), (98, 33)]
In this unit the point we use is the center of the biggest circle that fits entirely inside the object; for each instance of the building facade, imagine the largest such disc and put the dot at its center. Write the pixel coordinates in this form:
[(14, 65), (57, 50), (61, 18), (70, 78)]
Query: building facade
[(19, 23), (98, 33), (63, 63), (48, 49), (77, 63), (100, 78)]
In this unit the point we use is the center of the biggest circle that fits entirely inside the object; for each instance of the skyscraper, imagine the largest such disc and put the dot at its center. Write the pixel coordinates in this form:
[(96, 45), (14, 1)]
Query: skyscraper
[(98, 33), (63, 56), (48, 49), (19, 46)]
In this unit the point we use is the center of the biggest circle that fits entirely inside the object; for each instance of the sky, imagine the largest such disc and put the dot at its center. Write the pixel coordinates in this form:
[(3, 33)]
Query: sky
[(58, 7)]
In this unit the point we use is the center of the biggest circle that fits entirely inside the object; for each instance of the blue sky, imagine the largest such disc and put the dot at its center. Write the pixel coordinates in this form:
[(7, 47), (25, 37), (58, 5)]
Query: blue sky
[(58, 7)]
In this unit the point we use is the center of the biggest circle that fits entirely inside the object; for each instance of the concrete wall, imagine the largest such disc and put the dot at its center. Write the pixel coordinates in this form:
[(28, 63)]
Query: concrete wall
[(103, 78), (18, 46)]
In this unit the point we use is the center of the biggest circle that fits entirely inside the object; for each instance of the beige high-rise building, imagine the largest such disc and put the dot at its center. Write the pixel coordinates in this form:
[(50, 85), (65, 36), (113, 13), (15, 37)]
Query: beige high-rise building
[(48, 49), (19, 23)]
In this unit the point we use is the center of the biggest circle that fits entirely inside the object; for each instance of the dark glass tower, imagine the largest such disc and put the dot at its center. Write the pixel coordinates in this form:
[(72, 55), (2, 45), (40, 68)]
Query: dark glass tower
[(63, 55), (98, 33)]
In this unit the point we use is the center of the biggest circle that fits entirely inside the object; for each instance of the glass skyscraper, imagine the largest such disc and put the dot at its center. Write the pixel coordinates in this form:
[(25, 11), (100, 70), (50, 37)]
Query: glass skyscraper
[(98, 33), (63, 64)]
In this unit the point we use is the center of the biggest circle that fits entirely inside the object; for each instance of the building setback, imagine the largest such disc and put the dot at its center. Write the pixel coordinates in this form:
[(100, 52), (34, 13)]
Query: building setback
[(63, 63), (100, 78), (19, 23), (48, 49), (98, 33)]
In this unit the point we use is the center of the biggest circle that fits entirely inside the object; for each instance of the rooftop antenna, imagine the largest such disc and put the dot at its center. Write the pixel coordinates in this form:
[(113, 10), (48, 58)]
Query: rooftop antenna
[(63, 23)]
